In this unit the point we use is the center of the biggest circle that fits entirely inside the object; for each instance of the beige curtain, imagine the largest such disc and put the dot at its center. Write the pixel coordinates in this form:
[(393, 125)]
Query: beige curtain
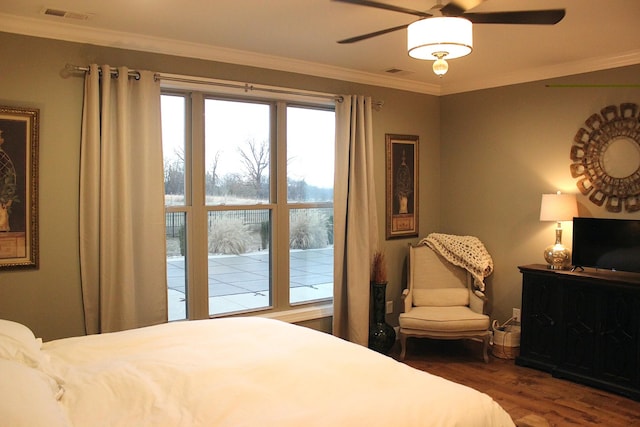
[(122, 243), (356, 235)]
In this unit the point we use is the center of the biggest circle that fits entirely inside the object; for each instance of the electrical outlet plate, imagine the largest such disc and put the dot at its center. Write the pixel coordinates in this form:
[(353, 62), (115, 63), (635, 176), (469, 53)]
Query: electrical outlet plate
[(516, 314), (389, 307)]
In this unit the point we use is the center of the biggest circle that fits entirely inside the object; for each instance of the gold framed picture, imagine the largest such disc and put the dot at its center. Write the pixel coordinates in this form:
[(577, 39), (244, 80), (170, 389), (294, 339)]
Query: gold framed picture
[(402, 186), (19, 129)]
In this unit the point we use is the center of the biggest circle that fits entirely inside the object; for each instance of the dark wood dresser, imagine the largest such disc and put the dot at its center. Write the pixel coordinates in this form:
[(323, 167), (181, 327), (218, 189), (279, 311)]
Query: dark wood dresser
[(583, 326)]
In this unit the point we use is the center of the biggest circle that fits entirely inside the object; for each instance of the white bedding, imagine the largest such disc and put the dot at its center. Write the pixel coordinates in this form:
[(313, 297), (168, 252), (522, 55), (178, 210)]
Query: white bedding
[(250, 372)]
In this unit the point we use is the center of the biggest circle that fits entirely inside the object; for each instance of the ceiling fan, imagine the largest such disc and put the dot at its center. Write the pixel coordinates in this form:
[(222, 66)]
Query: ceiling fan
[(445, 30)]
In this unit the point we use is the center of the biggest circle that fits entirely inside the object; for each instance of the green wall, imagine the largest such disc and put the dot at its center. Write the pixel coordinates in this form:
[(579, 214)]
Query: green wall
[(49, 299), (502, 149), (485, 159)]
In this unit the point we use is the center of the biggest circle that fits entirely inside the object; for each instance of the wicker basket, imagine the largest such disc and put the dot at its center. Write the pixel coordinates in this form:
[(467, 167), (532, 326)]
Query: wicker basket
[(506, 342)]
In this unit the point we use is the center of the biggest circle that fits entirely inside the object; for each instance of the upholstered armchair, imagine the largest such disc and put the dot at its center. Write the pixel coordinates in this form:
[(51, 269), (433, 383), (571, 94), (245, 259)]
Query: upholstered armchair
[(440, 303)]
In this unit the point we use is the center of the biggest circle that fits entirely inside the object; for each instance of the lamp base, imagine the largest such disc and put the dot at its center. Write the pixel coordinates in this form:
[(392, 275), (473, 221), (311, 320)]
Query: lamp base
[(558, 257)]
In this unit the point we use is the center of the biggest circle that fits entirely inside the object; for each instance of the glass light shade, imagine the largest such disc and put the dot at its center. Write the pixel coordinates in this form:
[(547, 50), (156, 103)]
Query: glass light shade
[(440, 67), (449, 37)]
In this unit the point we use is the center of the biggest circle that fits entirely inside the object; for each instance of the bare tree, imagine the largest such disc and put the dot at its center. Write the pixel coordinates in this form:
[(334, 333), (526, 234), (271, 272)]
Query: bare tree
[(212, 177), (179, 153), (174, 173), (255, 159)]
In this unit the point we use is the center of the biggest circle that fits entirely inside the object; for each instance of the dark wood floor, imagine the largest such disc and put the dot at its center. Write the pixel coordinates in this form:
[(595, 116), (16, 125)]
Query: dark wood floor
[(531, 397)]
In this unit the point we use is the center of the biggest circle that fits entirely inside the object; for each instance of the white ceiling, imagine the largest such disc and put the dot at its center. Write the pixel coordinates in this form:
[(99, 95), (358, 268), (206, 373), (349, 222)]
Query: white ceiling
[(301, 35)]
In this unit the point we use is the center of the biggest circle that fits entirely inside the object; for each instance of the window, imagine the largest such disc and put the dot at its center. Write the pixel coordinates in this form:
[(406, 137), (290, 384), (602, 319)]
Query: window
[(249, 204)]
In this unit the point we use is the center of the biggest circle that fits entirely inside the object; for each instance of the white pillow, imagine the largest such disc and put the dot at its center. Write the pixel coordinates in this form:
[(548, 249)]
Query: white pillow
[(17, 331), (18, 343), (28, 397)]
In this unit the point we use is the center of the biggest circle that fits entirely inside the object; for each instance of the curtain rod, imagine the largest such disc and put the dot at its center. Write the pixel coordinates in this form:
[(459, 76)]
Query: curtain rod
[(113, 71), (247, 87)]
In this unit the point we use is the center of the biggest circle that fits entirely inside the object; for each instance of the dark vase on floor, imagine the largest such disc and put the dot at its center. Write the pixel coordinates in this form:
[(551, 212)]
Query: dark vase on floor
[(381, 334)]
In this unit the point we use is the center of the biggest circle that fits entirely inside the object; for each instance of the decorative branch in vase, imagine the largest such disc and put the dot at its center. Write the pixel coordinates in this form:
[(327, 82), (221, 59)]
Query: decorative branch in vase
[(378, 268)]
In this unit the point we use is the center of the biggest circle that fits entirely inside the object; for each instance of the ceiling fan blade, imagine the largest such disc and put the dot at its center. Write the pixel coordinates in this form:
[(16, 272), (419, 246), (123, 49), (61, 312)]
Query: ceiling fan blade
[(386, 6), (458, 7), (371, 35), (527, 17)]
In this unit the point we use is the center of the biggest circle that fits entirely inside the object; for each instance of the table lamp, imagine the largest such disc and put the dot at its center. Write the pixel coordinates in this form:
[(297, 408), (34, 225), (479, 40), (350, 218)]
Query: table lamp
[(558, 207)]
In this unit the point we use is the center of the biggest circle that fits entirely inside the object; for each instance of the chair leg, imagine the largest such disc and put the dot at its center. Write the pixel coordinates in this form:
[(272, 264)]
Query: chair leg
[(485, 348), (403, 346)]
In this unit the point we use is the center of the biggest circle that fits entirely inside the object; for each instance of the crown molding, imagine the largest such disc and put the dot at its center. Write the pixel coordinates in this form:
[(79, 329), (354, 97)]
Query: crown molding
[(100, 37), (549, 72), (76, 33)]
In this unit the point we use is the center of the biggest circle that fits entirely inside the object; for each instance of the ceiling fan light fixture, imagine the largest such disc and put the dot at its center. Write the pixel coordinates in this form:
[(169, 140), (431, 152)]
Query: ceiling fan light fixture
[(440, 36)]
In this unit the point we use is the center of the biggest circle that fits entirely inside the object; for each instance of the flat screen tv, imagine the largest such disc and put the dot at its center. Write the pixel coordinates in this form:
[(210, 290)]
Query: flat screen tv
[(608, 244)]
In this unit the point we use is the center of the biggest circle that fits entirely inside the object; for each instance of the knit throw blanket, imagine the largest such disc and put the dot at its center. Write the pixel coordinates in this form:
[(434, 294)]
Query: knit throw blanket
[(467, 252)]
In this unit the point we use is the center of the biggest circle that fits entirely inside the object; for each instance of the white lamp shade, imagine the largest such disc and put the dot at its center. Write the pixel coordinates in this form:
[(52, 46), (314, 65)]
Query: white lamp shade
[(558, 207), (446, 36)]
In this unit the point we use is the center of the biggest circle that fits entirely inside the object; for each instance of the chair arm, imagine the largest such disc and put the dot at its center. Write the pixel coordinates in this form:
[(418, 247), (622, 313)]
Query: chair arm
[(477, 303), (407, 296)]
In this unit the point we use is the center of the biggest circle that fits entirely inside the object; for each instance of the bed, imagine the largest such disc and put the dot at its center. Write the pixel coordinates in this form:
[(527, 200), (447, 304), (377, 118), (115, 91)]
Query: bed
[(246, 371)]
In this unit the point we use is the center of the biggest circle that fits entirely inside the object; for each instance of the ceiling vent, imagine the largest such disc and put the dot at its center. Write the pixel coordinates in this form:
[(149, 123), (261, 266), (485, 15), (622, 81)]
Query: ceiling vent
[(398, 71), (65, 14)]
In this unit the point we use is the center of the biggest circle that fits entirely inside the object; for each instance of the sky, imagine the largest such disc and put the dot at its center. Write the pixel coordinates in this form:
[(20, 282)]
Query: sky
[(230, 124)]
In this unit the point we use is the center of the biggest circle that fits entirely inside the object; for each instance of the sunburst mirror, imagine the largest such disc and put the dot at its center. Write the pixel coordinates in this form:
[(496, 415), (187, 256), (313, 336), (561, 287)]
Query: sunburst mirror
[(606, 158)]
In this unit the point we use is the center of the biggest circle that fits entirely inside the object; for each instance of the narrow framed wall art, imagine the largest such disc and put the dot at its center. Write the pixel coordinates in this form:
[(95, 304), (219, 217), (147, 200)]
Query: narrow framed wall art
[(402, 186), (19, 134)]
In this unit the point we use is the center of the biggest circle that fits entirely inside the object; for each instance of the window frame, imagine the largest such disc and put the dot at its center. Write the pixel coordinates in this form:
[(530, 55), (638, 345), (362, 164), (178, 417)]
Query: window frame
[(196, 210)]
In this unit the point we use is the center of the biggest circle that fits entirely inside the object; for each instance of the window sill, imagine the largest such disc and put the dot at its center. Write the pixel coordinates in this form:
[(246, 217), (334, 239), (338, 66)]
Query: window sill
[(302, 314)]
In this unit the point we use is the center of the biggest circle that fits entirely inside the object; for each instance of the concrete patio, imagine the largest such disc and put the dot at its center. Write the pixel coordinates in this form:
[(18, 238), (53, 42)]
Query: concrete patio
[(241, 282)]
